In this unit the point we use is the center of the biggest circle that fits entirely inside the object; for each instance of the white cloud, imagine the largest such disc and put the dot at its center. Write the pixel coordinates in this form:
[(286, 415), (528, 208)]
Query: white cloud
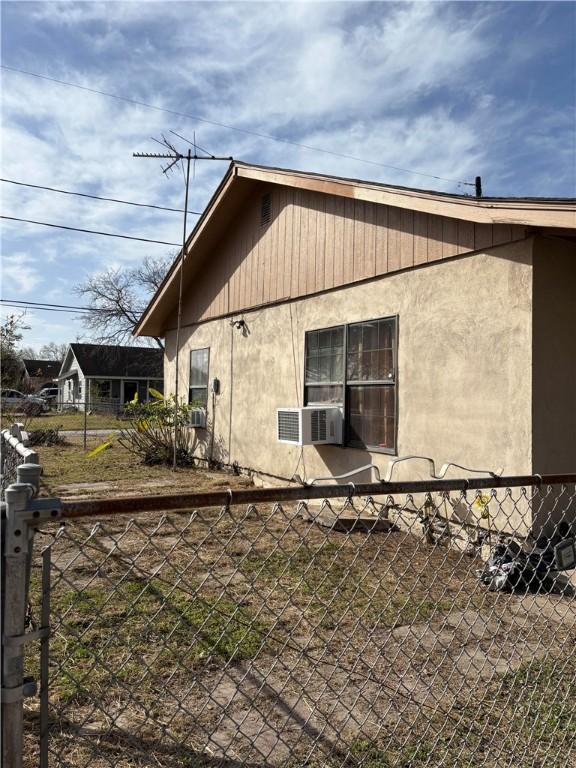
[(402, 84), (19, 273)]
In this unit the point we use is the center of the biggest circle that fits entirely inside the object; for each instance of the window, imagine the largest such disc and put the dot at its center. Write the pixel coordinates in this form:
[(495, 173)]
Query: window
[(101, 390), (198, 389), (325, 366), (355, 366)]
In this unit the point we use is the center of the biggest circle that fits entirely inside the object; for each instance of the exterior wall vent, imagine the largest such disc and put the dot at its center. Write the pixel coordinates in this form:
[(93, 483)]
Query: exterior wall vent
[(312, 425), (266, 210)]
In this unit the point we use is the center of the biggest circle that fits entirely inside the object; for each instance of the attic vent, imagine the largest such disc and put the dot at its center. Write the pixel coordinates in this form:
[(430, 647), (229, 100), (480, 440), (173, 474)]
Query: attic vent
[(266, 210)]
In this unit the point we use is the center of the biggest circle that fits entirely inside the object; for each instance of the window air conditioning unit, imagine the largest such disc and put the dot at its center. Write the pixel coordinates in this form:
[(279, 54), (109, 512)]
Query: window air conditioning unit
[(198, 418), (312, 425)]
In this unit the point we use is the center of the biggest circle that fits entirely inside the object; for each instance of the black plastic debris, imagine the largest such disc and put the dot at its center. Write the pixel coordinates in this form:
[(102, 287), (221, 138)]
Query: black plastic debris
[(531, 566)]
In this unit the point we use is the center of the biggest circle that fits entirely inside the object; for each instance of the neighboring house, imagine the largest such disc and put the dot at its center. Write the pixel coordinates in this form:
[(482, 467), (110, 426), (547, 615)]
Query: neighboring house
[(102, 376), (36, 373), (442, 325)]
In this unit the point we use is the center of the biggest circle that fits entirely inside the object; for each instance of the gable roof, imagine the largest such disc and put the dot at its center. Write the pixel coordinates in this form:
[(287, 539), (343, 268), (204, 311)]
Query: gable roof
[(42, 368), (242, 178), (109, 360)]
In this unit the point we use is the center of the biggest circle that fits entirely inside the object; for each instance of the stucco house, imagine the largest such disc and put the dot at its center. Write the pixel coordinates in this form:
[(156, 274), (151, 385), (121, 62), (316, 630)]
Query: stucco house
[(98, 376), (435, 324)]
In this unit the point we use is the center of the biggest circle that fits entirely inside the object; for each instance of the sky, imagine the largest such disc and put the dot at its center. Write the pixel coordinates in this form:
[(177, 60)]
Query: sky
[(440, 89)]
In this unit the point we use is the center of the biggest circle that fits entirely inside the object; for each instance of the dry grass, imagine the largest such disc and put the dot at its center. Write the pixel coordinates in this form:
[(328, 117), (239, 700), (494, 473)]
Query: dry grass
[(66, 420), (69, 471), (254, 634), (251, 637)]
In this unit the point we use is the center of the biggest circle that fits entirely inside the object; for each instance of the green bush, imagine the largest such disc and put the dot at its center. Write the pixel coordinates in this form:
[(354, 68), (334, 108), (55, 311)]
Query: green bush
[(154, 427)]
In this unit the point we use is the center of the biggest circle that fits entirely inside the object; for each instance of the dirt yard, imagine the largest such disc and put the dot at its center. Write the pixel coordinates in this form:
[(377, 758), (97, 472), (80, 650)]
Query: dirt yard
[(251, 637), (70, 472)]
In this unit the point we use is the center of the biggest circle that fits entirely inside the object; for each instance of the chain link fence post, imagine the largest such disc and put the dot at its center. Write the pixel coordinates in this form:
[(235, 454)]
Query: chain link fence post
[(16, 560)]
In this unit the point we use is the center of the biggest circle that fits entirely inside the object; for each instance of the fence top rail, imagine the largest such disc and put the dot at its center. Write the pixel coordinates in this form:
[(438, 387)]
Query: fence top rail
[(15, 443), (180, 502)]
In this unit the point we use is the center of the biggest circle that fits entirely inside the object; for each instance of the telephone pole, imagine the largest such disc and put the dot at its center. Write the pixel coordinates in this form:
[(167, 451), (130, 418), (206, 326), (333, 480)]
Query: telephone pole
[(175, 157)]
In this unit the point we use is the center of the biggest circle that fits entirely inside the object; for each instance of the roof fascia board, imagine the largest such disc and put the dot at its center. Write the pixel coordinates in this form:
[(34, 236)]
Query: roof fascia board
[(64, 368), (70, 373), (94, 377), (148, 377), (215, 200), (479, 210), (473, 209)]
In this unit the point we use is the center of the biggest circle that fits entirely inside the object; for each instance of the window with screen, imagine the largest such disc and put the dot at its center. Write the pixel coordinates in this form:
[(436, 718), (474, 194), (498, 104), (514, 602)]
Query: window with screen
[(325, 366), (355, 366), (198, 388)]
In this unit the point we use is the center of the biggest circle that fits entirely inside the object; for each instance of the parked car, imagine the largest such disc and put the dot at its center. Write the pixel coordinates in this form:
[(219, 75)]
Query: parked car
[(31, 405), (50, 395)]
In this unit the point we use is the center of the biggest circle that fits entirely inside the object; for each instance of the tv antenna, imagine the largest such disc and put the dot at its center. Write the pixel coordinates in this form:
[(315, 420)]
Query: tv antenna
[(174, 156)]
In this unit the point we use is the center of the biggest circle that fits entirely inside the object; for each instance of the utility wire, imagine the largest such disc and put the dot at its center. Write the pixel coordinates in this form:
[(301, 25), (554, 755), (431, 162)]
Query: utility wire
[(45, 304), (96, 197), (231, 127), (90, 231), (48, 309)]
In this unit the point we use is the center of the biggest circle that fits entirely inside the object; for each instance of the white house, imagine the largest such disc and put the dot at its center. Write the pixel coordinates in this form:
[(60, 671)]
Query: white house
[(104, 376)]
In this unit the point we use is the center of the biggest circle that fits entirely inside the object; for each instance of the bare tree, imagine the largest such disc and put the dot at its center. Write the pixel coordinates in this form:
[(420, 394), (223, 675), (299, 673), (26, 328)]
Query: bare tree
[(118, 297), (11, 331), (52, 351), (151, 273)]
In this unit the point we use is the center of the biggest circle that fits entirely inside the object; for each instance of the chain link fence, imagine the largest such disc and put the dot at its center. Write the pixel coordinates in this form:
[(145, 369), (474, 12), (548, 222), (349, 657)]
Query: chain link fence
[(422, 628), (14, 451), (81, 423)]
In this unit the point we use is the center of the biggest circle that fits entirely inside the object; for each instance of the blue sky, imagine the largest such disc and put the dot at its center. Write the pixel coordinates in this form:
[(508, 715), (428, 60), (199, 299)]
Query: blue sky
[(446, 89)]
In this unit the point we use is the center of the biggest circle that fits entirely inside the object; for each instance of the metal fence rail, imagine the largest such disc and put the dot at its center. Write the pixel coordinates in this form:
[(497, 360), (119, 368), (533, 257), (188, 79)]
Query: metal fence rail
[(14, 451), (268, 629)]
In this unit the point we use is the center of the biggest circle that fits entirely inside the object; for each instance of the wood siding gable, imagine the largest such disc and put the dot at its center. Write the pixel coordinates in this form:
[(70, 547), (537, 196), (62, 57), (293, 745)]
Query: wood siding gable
[(315, 242)]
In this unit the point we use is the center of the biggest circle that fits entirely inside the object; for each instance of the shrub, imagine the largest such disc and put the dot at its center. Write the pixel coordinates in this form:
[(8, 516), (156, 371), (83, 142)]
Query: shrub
[(49, 436), (153, 428)]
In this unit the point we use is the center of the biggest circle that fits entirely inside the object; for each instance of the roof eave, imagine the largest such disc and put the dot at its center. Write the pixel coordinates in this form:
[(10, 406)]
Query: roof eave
[(520, 211), (141, 328), (539, 213)]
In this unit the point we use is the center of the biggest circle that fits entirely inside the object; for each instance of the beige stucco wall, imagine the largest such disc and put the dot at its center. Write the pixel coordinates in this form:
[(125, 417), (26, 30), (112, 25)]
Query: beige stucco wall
[(554, 368), (464, 361), (554, 372)]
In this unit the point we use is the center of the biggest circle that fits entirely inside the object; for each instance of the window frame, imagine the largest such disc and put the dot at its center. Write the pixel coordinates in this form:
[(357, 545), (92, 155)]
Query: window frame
[(190, 386), (344, 404), (327, 383)]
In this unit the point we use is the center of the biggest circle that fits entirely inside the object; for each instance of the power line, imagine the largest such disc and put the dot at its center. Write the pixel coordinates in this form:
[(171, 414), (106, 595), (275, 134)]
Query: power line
[(46, 309), (46, 304), (231, 127), (96, 197), (89, 231)]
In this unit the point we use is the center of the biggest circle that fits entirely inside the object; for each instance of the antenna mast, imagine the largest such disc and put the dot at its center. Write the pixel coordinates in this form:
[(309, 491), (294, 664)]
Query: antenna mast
[(175, 156)]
